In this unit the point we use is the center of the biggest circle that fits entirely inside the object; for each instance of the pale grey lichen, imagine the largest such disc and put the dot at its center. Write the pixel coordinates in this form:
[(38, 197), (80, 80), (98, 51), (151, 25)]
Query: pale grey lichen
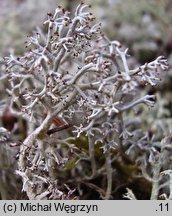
[(76, 72)]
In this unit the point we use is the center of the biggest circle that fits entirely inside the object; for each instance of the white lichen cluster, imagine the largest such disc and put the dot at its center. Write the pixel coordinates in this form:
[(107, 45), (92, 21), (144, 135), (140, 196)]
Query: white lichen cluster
[(75, 72)]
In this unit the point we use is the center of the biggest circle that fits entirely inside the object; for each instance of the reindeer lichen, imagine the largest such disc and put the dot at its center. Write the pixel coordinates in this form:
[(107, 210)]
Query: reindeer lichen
[(74, 73)]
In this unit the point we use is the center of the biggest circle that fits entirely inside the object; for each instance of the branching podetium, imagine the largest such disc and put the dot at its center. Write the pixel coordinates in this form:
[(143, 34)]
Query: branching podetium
[(76, 72)]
